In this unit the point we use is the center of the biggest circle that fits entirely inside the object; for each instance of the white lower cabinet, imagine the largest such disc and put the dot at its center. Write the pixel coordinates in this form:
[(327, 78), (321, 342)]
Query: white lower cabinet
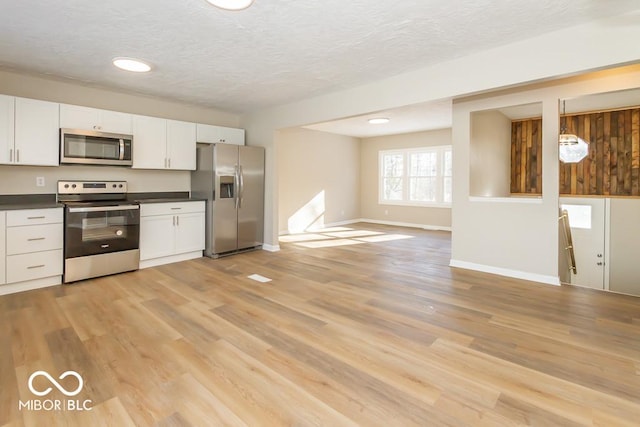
[(32, 256), (171, 232), (3, 272)]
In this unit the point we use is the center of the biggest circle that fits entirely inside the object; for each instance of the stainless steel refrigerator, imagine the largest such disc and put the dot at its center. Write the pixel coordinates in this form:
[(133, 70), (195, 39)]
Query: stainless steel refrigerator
[(231, 179)]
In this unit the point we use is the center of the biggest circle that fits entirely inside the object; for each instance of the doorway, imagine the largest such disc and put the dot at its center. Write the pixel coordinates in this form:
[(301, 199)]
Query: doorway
[(587, 220)]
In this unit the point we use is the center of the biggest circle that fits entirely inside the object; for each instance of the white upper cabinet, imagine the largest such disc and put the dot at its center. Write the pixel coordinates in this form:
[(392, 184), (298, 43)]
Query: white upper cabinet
[(181, 145), (86, 118), (149, 142), (219, 134), (163, 144), (37, 125), (7, 110), (28, 132)]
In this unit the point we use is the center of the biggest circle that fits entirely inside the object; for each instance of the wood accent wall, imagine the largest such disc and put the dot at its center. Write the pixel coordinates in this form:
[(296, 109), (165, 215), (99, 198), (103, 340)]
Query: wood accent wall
[(612, 167), (526, 156), (613, 164)]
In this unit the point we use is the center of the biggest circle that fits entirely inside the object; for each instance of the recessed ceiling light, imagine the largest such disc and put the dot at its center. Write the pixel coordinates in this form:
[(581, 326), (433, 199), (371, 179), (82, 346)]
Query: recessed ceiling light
[(231, 4), (378, 120), (131, 64)]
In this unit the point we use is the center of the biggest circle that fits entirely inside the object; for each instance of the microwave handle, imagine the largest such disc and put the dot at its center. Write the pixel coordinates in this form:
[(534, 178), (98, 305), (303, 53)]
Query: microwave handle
[(121, 157)]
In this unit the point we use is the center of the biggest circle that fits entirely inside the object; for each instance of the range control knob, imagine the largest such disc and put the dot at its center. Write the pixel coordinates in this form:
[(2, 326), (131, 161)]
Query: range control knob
[(114, 186), (120, 185), (66, 186), (73, 186)]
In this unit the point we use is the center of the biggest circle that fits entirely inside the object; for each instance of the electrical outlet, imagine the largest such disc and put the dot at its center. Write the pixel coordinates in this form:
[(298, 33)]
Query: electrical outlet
[(39, 181)]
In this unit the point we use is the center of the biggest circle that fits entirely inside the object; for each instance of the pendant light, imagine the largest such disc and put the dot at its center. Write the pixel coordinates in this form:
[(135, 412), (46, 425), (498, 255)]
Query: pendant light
[(571, 148), (566, 138)]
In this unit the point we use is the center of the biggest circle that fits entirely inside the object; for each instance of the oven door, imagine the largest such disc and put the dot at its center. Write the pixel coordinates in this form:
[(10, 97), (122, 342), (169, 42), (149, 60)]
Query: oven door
[(97, 230)]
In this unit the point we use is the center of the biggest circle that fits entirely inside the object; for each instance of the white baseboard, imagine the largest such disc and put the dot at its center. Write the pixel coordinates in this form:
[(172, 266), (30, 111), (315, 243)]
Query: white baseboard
[(516, 274), (29, 285), (406, 224), (170, 259), (270, 248), (374, 221)]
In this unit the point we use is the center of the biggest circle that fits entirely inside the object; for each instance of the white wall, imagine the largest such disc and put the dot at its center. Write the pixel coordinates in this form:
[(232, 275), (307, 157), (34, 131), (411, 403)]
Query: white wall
[(22, 179), (318, 179), (369, 206), (73, 92), (602, 44), (490, 156), (518, 237), (512, 238)]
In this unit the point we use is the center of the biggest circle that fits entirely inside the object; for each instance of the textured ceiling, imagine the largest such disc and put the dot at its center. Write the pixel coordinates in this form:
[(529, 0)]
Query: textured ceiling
[(412, 118), (275, 52)]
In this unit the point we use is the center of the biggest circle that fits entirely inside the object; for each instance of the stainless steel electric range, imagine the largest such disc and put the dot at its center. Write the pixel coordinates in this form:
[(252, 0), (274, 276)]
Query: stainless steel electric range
[(101, 229)]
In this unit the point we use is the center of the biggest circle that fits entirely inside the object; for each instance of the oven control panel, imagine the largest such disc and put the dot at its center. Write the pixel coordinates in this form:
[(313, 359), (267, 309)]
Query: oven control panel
[(91, 187)]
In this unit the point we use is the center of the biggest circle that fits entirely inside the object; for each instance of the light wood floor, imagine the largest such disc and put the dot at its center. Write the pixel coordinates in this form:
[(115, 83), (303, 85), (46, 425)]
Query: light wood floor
[(364, 327)]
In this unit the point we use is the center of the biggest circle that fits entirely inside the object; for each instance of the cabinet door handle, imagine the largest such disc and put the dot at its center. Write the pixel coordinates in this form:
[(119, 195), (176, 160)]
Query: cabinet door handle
[(33, 239), (175, 209), (35, 266), (178, 221), (18, 155), (174, 220), (11, 154), (169, 162), (36, 217)]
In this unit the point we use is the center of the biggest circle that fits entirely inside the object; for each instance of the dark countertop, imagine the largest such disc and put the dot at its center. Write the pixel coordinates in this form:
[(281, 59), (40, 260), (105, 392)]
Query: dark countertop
[(162, 197), (45, 201), (28, 201), (170, 200), (19, 206)]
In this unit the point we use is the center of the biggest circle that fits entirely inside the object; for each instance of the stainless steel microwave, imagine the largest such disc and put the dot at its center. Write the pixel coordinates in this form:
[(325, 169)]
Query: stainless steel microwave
[(86, 147)]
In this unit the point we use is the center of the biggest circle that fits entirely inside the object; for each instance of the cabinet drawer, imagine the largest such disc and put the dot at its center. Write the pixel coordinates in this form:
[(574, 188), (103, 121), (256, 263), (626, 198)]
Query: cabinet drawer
[(174, 208), (34, 217), (34, 266), (34, 238)]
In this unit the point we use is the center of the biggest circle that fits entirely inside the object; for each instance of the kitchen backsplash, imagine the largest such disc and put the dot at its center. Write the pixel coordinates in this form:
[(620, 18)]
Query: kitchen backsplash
[(23, 179)]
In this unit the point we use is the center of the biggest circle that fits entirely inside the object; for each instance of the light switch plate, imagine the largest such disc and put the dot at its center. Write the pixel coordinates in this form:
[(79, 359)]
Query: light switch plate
[(39, 181)]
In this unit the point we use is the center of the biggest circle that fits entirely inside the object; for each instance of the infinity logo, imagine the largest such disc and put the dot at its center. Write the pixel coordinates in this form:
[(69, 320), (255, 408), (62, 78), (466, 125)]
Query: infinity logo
[(55, 383)]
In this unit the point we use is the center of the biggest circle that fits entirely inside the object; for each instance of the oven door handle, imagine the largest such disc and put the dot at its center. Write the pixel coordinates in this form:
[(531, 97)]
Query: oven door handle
[(104, 208)]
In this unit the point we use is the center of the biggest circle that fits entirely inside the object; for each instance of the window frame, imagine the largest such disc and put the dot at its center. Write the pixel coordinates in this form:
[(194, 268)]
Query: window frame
[(406, 153)]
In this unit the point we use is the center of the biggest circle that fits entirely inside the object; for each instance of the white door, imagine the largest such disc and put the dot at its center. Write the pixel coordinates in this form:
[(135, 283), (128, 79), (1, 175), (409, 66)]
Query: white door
[(157, 236), (116, 122), (190, 232), (37, 132), (149, 143), (587, 222), (2, 248), (233, 136), (6, 128), (78, 117), (181, 145)]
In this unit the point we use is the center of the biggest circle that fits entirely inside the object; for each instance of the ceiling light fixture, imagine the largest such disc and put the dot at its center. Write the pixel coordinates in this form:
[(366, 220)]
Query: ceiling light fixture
[(379, 120), (566, 138), (231, 4), (131, 64), (571, 148)]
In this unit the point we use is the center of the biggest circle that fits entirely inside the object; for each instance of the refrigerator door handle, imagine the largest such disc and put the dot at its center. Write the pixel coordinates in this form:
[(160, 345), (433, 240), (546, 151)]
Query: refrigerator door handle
[(236, 177), (241, 189)]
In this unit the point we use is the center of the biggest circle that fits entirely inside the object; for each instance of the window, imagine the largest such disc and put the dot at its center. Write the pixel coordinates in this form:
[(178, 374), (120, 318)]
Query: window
[(416, 177)]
